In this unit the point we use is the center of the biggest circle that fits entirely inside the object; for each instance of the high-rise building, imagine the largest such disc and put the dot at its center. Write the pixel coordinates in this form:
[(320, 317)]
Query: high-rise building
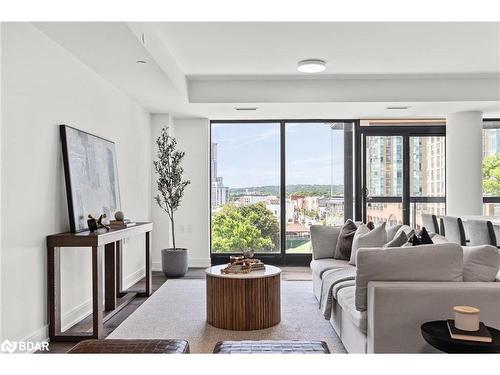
[(220, 193)]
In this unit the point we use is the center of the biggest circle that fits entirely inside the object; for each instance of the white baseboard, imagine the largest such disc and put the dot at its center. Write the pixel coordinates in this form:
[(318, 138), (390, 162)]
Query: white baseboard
[(193, 263), (40, 335), (199, 262), (134, 277), (77, 313), (84, 309), (157, 266)]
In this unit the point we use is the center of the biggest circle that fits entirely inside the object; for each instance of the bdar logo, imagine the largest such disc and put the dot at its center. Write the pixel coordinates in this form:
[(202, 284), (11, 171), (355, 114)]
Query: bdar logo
[(8, 346)]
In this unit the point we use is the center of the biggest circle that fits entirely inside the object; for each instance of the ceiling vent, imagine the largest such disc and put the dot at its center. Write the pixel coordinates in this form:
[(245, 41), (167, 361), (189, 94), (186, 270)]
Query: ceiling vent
[(398, 107), (246, 108)]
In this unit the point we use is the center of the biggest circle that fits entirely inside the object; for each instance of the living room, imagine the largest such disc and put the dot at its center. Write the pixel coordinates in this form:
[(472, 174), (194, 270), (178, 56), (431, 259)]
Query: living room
[(191, 186)]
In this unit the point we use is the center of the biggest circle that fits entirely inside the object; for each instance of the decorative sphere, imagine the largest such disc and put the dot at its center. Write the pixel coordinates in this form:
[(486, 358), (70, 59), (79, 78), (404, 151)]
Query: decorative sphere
[(119, 215)]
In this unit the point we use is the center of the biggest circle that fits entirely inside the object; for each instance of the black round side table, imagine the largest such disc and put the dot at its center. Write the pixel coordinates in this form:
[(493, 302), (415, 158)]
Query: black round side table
[(436, 333)]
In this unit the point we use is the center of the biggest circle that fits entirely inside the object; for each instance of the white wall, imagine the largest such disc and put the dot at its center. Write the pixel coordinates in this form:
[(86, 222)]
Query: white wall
[(464, 147), (161, 233), (192, 218), (44, 86), (1, 127)]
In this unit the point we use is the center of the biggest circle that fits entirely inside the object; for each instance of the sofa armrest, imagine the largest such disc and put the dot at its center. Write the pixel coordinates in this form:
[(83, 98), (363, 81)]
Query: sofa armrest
[(396, 310)]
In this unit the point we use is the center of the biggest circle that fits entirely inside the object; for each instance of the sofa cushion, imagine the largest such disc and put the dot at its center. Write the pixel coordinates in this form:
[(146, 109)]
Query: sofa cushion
[(324, 240), (438, 239), (365, 237), (346, 298), (391, 231), (442, 262), (406, 229), (397, 241), (481, 263), (319, 266), (344, 242)]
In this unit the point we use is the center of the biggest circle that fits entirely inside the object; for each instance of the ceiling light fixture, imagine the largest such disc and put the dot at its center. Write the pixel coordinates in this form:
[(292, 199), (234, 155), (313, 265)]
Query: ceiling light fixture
[(311, 66), (141, 62)]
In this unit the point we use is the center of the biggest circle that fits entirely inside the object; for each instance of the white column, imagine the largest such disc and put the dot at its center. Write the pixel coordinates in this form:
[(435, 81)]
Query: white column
[(193, 217), (161, 224), (464, 144)]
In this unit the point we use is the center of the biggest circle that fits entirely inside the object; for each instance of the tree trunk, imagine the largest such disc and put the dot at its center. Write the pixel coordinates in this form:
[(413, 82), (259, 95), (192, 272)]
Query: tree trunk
[(173, 229)]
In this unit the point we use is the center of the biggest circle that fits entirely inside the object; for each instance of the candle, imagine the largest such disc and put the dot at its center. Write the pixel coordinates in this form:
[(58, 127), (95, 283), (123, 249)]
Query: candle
[(466, 318)]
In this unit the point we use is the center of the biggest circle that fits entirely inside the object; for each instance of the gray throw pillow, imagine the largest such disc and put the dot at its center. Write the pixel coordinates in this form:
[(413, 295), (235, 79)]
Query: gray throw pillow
[(366, 238), (481, 263), (398, 241), (392, 231), (324, 240), (344, 242)]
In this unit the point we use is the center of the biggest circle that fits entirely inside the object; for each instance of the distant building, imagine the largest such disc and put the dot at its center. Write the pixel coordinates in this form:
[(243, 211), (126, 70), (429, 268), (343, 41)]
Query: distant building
[(220, 193)]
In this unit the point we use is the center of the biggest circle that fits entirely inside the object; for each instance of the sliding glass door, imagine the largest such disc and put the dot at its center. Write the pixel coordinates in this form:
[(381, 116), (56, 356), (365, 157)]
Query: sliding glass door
[(427, 178), (384, 179), (403, 173)]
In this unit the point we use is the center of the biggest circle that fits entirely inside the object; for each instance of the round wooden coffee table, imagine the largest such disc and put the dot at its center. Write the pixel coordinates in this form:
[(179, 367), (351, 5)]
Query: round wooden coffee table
[(243, 302)]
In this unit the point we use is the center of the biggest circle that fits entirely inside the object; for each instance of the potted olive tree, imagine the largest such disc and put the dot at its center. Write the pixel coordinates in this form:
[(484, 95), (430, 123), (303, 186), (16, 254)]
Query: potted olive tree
[(171, 187)]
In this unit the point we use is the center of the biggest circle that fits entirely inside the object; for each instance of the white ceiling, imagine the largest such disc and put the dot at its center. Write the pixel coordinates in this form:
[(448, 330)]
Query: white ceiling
[(349, 48), (253, 52)]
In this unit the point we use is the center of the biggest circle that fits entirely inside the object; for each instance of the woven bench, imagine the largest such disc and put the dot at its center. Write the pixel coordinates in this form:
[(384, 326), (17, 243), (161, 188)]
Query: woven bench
[(131, 347), (271, 347)]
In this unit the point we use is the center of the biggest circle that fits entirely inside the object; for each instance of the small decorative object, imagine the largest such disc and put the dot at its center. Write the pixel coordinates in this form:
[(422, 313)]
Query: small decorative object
[(119, 216), (243, 266), (170, 186), (92, 223), (100, 224), (235, 258), (96, 224), (466, 318), (248, 254)]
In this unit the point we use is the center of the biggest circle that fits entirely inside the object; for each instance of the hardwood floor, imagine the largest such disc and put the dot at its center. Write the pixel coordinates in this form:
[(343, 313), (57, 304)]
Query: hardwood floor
[(289, 273)]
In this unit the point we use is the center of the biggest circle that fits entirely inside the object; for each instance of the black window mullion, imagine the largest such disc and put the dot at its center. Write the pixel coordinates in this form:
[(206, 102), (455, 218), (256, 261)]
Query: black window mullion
[(406, 180), (282, 191)]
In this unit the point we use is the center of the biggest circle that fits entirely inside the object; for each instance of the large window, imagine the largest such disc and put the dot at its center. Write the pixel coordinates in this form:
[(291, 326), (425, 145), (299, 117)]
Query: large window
[(245, 178), (271, 181), (314, 180), (491, 167)]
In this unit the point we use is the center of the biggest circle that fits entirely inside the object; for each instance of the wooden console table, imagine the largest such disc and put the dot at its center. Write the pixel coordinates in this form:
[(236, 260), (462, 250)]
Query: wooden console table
[(101, 241)]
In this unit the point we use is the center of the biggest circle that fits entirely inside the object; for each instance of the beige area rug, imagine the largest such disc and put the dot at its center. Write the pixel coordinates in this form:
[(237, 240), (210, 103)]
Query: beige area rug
[(177, 311)]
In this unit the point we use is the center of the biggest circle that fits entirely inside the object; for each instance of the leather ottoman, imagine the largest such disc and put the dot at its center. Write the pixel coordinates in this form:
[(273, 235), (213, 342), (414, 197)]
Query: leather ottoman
[(131, 347), (271, 347)]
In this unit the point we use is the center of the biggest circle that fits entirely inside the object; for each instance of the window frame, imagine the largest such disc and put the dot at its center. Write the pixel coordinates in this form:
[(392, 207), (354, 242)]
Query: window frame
[(282, 257), (405, 131), (489, 199)]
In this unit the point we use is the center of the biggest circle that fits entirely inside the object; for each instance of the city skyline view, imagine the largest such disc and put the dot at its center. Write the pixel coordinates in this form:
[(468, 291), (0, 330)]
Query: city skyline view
[(249, 154)]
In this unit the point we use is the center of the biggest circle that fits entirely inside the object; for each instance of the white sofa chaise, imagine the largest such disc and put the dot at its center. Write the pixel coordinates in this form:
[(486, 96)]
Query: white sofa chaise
[(395, 290)]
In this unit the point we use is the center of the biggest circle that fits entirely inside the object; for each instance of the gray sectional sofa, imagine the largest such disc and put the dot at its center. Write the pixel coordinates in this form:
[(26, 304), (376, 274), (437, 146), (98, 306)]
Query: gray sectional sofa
[(378, 305)]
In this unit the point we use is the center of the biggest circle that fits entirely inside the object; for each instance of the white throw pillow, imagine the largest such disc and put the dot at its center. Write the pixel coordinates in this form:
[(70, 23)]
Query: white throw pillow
[(364, 237), (391, 231)]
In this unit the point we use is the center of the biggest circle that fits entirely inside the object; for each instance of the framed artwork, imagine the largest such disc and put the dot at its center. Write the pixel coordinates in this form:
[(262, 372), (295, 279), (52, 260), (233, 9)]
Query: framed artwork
[(91, 174)]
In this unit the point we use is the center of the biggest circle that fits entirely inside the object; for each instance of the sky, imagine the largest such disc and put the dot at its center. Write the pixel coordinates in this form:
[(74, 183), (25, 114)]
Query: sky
[(249, 153)]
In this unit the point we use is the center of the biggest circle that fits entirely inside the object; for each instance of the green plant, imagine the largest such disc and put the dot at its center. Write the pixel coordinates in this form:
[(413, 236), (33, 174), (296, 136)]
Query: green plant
[(491, 175), (170, 184), (239, 228)]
